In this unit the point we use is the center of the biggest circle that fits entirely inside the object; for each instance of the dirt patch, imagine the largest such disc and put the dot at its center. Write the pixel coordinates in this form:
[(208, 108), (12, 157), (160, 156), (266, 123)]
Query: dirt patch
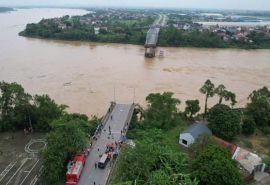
[(19, 160), (258, 140)]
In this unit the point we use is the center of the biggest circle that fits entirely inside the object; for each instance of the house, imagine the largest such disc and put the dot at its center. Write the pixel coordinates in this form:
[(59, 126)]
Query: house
[(96, 29), (189, 135), (105, 28), (62, 26)]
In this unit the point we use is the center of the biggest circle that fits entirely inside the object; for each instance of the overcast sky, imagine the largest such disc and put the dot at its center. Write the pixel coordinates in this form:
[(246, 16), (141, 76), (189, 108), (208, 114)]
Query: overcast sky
[(209, 4)]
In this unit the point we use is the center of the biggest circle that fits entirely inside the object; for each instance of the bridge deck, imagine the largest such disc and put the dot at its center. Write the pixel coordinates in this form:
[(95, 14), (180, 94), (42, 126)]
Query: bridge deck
[(152, 37), (90, 174)]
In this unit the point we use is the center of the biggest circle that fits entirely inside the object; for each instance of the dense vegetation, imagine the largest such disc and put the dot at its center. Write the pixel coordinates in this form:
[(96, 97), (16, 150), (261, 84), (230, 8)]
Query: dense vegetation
[(224, 122), (20, 110), (215, 166)]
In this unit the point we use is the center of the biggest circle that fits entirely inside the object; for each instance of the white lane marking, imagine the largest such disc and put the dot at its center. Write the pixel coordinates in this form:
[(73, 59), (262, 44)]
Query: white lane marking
[(29, 172), (17, 170), (35, 179), (8, 168)]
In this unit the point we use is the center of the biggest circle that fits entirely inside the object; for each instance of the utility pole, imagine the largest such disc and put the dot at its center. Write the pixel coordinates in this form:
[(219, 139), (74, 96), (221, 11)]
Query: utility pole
[(134, 95), (114, 93)]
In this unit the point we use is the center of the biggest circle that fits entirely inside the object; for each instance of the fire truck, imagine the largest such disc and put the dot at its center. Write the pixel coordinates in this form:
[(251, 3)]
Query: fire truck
[(75, 169)]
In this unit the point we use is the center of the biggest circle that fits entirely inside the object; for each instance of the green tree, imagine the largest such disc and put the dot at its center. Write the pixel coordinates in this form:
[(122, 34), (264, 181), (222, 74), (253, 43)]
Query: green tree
[(193, 106), (13, 106), (221, 92), (267, 161), (249, 126), (209, 90), (224, 122), (102, 31), (261, 93), (201, 142), (259, 109), (66, 138), (227, 95), (45, 111), (214, 166), (231, 96), (161, 110)]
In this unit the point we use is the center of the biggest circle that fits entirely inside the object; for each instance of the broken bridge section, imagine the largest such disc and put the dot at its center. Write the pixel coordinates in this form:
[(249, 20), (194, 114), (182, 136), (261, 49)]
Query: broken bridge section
[(151, 42)]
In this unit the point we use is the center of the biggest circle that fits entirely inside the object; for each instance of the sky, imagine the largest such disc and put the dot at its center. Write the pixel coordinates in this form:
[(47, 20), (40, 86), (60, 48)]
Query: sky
[(203, 4)]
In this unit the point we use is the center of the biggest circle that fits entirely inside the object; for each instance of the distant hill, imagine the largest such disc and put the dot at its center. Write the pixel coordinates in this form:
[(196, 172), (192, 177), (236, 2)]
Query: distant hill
[(5, 9)]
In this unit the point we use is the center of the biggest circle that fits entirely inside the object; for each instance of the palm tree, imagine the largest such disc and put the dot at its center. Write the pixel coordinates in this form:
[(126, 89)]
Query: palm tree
[(221, 92), (231, 96), (209, 90)]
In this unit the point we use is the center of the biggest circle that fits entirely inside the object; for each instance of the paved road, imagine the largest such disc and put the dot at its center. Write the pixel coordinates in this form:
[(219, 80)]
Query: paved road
[(90, 174)]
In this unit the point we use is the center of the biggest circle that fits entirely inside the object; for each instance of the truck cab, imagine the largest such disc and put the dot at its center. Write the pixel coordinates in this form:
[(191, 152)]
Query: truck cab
[(75, 169)]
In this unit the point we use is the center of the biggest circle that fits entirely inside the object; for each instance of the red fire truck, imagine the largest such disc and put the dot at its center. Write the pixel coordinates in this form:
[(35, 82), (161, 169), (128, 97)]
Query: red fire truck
[(75, 169)]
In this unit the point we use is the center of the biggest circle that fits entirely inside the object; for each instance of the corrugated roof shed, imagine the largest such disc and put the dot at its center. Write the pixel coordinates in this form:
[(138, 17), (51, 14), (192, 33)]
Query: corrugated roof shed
[(196, 129)]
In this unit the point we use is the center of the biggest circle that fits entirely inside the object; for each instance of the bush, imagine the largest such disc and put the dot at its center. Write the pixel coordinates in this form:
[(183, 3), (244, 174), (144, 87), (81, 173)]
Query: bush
[(265, 130), (249, 126), (247, 144)]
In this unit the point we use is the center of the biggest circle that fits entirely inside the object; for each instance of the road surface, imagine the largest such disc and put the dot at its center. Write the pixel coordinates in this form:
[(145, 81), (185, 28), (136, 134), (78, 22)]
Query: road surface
[(90, 174)]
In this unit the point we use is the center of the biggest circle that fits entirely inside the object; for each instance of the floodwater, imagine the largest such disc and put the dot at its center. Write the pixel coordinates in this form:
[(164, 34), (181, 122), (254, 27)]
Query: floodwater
[(87, 76)]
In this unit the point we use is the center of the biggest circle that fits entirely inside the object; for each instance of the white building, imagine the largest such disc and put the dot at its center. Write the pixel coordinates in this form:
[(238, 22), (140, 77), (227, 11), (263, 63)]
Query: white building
[(96, 29), (62, 26), (189, 135)]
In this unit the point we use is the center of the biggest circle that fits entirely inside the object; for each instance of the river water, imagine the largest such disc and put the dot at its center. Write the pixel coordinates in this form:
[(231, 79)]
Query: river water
[(87, 76)]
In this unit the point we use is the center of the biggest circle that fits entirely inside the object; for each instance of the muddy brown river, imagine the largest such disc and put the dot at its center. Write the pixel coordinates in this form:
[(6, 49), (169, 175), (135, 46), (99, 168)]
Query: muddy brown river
[(87, 76)]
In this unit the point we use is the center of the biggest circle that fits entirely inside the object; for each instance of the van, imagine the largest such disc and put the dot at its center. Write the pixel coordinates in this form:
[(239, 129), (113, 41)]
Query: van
[(103, 161)]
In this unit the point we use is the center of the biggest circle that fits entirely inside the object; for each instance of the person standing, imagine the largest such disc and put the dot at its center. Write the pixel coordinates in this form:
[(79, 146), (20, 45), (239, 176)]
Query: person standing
[(88, 150), (112, 136), (98, 148), (95, 165)]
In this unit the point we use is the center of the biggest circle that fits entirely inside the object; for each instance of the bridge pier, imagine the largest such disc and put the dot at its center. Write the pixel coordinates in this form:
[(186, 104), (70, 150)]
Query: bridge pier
[(151, 52)]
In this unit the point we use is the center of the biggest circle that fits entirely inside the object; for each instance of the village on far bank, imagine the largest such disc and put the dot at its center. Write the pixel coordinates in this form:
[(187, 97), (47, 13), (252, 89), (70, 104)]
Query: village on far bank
[(131, 26)]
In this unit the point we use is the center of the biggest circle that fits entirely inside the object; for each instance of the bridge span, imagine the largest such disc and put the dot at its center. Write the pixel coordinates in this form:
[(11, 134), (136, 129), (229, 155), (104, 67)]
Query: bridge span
[(151, 42), (110, 133)]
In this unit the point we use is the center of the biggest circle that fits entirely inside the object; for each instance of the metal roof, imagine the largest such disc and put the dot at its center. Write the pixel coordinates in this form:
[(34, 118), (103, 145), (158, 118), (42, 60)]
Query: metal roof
[(196, 129)]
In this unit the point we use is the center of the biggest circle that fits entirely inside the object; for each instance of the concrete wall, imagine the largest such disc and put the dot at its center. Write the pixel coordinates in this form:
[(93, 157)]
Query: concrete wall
[(186, 136)]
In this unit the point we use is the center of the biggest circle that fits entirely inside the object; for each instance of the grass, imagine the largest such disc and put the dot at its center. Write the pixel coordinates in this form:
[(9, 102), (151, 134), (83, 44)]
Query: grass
[(247, 144)]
